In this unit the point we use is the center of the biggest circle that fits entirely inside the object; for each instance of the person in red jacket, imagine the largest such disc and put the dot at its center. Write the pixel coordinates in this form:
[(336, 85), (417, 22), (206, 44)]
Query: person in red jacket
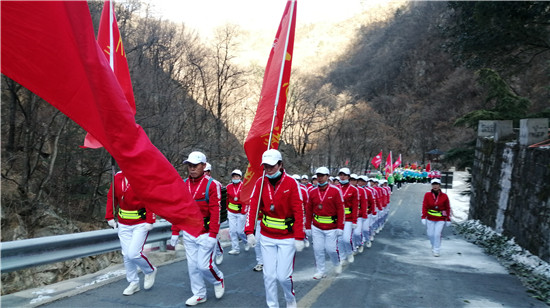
[(236, 213), (135, 221), (200, 250), (351, 206), (325, 222), (278, 197), (436, 213)]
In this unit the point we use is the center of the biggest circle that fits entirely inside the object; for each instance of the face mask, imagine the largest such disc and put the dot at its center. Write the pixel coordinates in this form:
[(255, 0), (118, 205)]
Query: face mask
[(322, 184), (275, 175), (235, 181), (344, 182)]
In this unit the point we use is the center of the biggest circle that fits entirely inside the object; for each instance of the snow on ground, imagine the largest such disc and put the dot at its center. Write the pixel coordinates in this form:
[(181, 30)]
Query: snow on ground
[(530, 269)]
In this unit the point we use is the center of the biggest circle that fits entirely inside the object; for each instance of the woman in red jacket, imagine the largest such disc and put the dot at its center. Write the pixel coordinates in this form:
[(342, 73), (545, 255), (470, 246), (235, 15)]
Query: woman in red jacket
[(135, 221), (436, 213)]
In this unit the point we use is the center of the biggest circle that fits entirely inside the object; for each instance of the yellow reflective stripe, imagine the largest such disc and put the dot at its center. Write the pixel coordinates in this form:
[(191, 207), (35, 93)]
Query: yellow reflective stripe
[(233, 207), (275, 223), (128, 214), (323, 219), (347, 210), (435, 213)]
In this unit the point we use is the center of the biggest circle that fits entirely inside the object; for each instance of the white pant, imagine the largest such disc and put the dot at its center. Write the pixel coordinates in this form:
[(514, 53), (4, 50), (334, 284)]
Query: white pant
[(258, 247), (324, 240), (345, 240), (357, 236), (200, 264), (434, 229), (132, 238), (236, 229), (278, 266)]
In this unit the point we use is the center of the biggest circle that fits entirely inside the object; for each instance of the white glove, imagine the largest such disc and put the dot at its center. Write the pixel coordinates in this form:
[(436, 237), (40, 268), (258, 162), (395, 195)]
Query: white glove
[(211, 241), (447, 224), (339, 232), (112, 223), (308, 233), (353, 226), (174, 240), (424, 221), (148, 226), (251, 240), (299, 244)]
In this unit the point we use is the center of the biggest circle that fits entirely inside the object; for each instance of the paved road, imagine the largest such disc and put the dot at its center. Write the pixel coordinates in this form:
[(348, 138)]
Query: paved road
[(397, 271)]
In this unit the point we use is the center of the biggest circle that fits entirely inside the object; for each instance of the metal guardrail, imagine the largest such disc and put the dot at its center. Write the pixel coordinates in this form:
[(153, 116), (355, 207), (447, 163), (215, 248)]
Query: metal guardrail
[(26, 253)]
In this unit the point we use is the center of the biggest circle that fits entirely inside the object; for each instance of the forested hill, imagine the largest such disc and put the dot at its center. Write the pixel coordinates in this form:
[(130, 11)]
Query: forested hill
[(403, 82)]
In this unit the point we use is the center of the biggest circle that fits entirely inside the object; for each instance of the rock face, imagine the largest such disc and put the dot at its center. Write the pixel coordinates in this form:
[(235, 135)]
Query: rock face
[(51, 273), (511, 192)]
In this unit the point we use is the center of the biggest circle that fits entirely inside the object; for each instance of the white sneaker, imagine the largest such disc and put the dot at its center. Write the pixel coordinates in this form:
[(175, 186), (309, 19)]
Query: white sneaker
[(193, 300), (436, 254), (351, 258), (319, 276), (344, 262), (371, 238), (258, 268), (306, 243), (246, 247), (219, 289), (131, 289), (234, 252), (219, 259), (354, 252), (338, 269), (368, 244), (149, 280), (360, 249)]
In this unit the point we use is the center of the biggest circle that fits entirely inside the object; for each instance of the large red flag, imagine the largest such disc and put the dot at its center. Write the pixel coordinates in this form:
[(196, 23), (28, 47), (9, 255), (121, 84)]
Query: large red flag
[(49, 47), (271, 107), (108, 35), (377, 160), (388, 168), (397, 163)]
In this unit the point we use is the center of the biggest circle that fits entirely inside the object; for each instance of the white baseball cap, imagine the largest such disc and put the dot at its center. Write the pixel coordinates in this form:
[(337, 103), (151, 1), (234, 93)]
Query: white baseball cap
[(195, 158), (344, 171), (271, 157), (354, 176), (314, 176), (237, 172), (363, 178), (322, 170), (436, 181), (208, 167), (296, 177), (305, 177)]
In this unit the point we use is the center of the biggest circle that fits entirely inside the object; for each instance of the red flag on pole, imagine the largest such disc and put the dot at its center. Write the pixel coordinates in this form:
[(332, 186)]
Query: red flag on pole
[(268, 120), (389, 165), (108, 35), (377, 160), (428, 167), (49, 47), (397, 163)]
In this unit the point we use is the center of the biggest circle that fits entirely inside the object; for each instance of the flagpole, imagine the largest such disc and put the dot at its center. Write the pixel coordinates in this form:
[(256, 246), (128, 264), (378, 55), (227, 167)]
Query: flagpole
[(112, 64), (293, 2)]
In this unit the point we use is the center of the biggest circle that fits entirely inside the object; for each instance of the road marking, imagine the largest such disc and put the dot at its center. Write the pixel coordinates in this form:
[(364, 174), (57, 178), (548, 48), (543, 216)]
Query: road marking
[(311, 297)]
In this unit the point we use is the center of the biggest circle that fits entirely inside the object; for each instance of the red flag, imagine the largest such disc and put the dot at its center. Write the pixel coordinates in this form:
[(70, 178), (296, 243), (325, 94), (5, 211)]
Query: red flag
[(117, 59), (397, 163), (389, 165), (49, 47), (271, 107), (377, 160), (428, 167)]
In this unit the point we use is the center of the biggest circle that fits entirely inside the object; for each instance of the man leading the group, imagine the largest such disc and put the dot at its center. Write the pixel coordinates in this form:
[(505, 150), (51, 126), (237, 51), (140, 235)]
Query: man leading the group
[(200, 250), (278, 197)]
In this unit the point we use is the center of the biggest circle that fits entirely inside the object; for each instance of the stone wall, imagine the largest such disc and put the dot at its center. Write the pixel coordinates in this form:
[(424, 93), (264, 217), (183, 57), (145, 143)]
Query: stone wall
[(511, 192)]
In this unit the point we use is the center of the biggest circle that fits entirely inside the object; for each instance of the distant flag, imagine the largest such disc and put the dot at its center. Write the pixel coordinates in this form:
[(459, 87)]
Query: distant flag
[(388, 168), (49, 48), (428, 167), (397, 163), (108, 36), (265, 131), (377, 160)]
